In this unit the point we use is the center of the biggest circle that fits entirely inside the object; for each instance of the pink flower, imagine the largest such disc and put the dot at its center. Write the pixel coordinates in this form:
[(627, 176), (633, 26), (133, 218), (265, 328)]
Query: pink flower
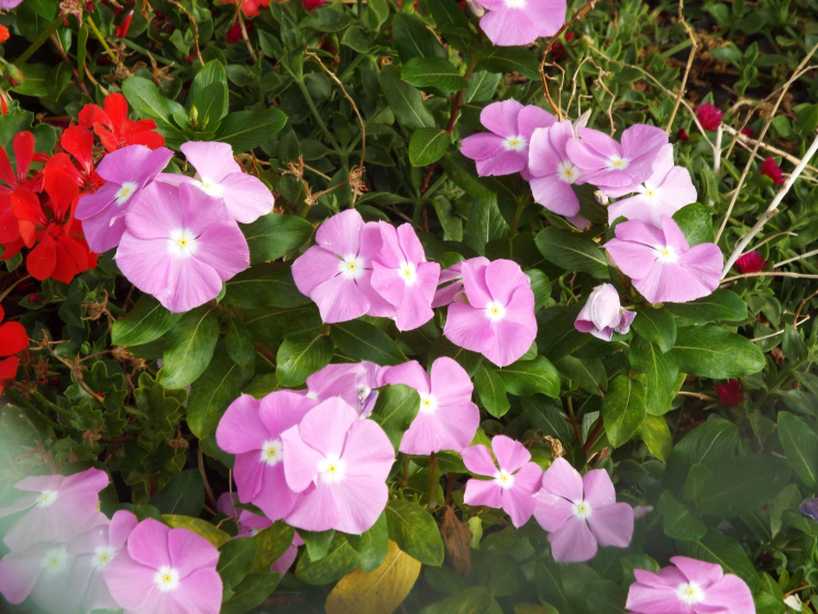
[(603, 314), (770, 168), (126, 173), (355, 382), (581, 513), (552, 173), (668, 189), (751, 262), (339, 463), (709, 116), (56, 507), (661, 263), (219, 176), (494, 313), (165, 570), (401, 276), (689, 586), (514, 478), (447, 419), (251, 429), (180, 245), (521, 22), (503, 150), (606, 163), (334, 273)]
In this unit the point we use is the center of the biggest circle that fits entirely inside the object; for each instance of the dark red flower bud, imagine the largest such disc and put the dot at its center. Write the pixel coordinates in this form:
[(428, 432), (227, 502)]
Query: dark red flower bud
[(751, 262), (682, 135), (730, 393), (709, 116), (747, 131), (311, 5), (771, 169), (569, 36), (234, 33), (124, 25), (557, 51)]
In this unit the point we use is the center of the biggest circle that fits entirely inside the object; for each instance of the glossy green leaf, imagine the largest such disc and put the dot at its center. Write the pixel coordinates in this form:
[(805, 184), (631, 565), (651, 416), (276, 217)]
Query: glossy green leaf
[(623, 409)]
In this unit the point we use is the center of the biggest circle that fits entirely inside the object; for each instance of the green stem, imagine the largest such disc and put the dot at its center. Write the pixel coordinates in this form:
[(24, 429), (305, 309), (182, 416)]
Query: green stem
[(317, 115), (434, 476), (38, 42)]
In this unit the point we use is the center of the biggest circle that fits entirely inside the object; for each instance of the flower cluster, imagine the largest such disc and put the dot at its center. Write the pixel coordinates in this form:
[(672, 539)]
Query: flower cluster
[(39, 197), (13, 340), (177, 237)]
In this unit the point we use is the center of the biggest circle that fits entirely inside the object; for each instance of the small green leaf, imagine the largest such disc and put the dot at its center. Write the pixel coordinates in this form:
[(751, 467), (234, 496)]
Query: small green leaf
[(203, 528), (415, 531), (659, 376), (572, 252), (427, 146), (491, 389), (194, 341), (710, 351), (657, 326), (677, 521), (184, 494), (146, 322), (395, 409), (696, 222), (721, 306), (528, 377), (275, 235), (405, 101), (248, 129), (433, 72), (300, 356), (800, 444), (360, 340), (655, 432), (623, 409)]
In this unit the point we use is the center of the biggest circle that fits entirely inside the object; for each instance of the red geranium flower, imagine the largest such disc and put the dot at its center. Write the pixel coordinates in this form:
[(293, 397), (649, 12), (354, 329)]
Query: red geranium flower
[(113, 127), (13, 340), (730, 393)]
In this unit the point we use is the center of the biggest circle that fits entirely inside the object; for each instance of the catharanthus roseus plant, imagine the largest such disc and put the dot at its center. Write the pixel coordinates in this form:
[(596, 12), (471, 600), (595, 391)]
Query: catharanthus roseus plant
[(434, 306)]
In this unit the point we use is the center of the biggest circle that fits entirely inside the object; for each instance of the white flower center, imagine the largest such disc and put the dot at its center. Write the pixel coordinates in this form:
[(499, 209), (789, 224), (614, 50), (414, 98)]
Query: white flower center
[(332, 469), (351, 266), (209, 187), (690, 593), (408, 273), (55, 560), (504, 479), (428, 403), (182, 243), (363, 392), (312, 395), (516, 4), (515, 143), (47, 498), (567, 172), (271, 452), (581, 509), (495, 311), (102, 556), (124, 193), (650, 192), (618, 163), (166, 579), (665, 253)]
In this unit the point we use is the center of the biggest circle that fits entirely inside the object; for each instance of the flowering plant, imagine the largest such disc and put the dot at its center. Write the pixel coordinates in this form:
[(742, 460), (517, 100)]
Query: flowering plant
[(437, 305)]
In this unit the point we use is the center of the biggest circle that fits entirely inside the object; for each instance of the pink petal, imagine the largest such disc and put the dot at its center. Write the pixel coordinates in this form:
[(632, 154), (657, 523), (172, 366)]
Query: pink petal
[(483, 492), (732, 594), (598, 488), (313, 427), (450, 382), (104, 231), (152, 214), (131, 584), (90, 205), (212, 160), (240, 428), (368, 453), (315, 510), (509, 27), (195, 284), (408, 373), (479, 461), (341, 233), (340, 299), (410, 244), (532, 117), (248, 472), (300, 461), (503, 277), (652, 600), (474, 281), (314, 267), (199, 593), (549, 15), (19, 572), (701, 572), (562, 480), (573, 542), (612, 525), (135, 163), (481, 146), (551, 511), (360, 501), (555, 195), (246, 197), (518, 504), (511, 455), (674, 235), (505, 163), (148, 544), (642, 140), (501, 117), (282, 409), (634, 259), (511, 339), (274, 497), (542, 158), (122, 523), (189, 552)]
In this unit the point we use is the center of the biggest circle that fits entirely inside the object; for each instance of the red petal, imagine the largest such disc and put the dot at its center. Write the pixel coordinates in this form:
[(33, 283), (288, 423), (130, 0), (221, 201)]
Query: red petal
[(41, 261), (8, 369), (10, 250), (92, 114), (13, 338), (23, 145), (6, 172), (79, 142), (72, 259), (61, 183), (9, 228), (116, 106), (2, 313)]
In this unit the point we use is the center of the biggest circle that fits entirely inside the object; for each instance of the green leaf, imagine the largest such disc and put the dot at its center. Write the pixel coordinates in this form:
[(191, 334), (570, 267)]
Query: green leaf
[(209, 95), (341, 559), (800, 444), (714, 442), (276, 235), (193, 342), (528, 377), (203, 528), (657, 326), (184, 494), (404, 100), (317, 543), (572, 252), (721, 306), (300, 356), (655, 432), (451, 21), (696, 222), (373, 545), (433, 72), (251, 592), (491, 389), (427, 146), (660, 376), (239, 343), (623, 409), (677, 521), (415, 531), (510, 59), (471, 600), (724, 550), (146, 100), (360, 340), (146, 322), (413, 39), (376, 14), (217, 387), (248, 129), (235, 560), (262, 287), (271, 543), (587, 373), (710, 351), (396, 407)]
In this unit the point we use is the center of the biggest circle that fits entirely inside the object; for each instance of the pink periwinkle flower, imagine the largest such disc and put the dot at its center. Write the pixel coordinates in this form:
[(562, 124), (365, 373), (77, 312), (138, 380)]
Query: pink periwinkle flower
[(56, 507), (689, 586), (503, 150), (180, 245), (661, 263), (355, 382), (7, 5), (581, 513), (402, 278), (446, 419), (251, 429), (219, 176), (334, 273), (553, 175), (514, 478), (494, 313), (521, 22), (338, 462), (607, 163), (165, 570), (603, 315), (126, 172), (668, 189)]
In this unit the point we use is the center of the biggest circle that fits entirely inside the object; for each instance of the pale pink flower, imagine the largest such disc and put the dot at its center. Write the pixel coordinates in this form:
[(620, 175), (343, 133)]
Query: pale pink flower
[(447, 419), (521, 22), (514, 478), (355, 382), (602, 314), (553, 175), (581, 513), (338, 463)]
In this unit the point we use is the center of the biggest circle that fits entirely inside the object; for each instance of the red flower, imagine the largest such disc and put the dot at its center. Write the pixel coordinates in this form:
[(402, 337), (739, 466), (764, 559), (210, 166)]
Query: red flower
[(4, 34), (751, 262), (747, 131), (709, 116), (730, 393), (311, 5), (113, 127), (61, 254), (771, 169), (250, 8), (557, 51), (13, 340), (125, 25), (234, 33), (569, 36), (682, 135)]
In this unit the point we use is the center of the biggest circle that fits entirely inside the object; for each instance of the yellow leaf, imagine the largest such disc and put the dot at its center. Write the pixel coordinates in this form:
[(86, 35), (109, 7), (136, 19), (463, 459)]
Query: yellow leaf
[(214, 535), (379, 591)]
